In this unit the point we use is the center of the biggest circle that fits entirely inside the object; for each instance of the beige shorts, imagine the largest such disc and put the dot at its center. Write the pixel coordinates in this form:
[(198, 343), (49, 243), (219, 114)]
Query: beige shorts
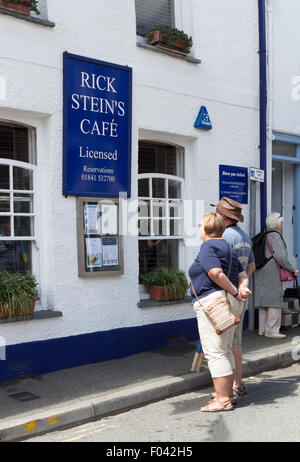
[(237, 338), (217, 348)]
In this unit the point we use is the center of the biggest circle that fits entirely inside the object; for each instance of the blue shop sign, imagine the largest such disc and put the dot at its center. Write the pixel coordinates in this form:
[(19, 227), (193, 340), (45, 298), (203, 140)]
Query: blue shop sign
[(203, 120), (234, 183), (97, 127)]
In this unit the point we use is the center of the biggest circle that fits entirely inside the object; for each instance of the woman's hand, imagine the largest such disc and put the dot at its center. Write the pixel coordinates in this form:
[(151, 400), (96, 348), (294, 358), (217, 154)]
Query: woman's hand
[(245, 292), (296, 273)]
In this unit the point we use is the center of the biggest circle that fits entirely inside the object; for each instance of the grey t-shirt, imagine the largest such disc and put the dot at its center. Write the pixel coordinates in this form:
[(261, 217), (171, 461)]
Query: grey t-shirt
[(241, 243)]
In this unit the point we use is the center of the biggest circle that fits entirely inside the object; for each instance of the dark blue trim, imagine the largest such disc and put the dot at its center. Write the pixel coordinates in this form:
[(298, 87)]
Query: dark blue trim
[(47, 356), (263, 108)]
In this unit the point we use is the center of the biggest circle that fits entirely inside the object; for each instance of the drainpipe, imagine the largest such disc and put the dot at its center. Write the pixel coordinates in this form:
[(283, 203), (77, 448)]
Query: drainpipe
[(263, 108)]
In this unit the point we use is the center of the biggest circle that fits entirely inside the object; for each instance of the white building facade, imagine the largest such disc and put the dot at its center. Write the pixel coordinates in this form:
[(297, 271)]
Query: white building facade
[(80, 319), (283, 119)]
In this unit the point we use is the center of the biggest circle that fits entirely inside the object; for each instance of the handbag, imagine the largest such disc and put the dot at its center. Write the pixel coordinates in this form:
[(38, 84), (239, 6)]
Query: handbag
[(219, 312), (293, 292), (285, 274)]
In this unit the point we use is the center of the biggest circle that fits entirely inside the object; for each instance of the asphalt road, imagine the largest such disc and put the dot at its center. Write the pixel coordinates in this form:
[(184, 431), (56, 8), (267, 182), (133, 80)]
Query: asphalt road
[(268, 413)]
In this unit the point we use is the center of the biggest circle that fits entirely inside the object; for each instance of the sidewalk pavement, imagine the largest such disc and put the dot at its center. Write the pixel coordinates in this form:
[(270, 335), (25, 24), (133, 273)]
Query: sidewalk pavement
[(40, 404)]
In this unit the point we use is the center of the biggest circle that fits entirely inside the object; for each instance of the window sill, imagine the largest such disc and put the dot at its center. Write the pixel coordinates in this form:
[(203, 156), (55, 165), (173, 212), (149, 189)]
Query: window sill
[(187, 58), (37, 315), (33, 19), (149, 303)]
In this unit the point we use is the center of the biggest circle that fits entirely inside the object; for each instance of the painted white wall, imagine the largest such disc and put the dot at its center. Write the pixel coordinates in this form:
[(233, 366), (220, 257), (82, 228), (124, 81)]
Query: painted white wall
[(167, 96), (286, 66)]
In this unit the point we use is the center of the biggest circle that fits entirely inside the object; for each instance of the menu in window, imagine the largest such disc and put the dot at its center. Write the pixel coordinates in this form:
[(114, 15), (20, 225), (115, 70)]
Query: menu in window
[(109, 219), (94, 252), (91, 219), (110, 251)]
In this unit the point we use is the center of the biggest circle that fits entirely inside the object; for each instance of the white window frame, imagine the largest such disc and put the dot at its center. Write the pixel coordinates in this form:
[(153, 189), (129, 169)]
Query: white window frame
[(28, 166), (180, 159), (152, 200)]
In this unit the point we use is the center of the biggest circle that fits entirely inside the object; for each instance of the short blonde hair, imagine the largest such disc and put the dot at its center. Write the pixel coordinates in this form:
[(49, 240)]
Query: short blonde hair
[(213, 225)]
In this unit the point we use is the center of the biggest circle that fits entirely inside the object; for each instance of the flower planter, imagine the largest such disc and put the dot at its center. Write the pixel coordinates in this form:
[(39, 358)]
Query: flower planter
[(17, 7), (159, 294), (156, 38), (18, 313)]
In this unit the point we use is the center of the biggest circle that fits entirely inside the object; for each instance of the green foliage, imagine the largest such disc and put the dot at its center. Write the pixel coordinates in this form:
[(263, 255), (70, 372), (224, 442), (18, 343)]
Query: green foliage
[(174, 281), (16, 293), (32, 3), (172, 35)]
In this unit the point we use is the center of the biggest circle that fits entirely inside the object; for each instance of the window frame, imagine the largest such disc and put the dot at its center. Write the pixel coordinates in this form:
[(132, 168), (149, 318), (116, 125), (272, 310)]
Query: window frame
[(30, 165), (180, 177)]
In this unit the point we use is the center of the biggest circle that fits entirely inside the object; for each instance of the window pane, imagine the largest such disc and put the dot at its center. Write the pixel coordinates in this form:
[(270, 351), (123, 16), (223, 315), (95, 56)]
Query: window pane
[(23, 179), (152, 12), (156, 253), (23, 203), (160, 209), (4, 202), (159, 227), (284, 149), (4, 226), (174, 189), (15, 255), (144, 209), (175, 227), (14, 143), (175, 209), (144, 227), (23, 226), (158, 187), (144, 188), (4, 177), (159, 158)]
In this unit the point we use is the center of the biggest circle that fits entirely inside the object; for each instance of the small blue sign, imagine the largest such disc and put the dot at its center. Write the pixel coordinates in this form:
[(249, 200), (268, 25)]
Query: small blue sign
[(203, 120), (97, 127), (234, 183)]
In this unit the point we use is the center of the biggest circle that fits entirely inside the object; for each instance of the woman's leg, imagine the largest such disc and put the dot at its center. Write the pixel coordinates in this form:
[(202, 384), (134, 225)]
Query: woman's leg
[(262, 319), (223, 387), (273, 321)]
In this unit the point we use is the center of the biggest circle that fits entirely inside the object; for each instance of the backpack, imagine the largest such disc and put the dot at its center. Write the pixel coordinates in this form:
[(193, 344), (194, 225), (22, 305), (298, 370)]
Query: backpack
[(258, 242)]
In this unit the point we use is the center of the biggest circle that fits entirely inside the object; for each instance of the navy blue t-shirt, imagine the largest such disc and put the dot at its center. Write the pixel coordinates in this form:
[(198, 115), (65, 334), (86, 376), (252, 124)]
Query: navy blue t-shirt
[(214, 253)]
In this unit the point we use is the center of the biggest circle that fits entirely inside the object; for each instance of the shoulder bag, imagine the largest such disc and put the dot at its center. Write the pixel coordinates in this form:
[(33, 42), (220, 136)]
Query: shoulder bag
[(219, 312), (285, 274)]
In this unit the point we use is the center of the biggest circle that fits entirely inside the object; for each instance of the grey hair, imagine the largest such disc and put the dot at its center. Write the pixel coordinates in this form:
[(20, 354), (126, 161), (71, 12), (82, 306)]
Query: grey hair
[(274, 220)]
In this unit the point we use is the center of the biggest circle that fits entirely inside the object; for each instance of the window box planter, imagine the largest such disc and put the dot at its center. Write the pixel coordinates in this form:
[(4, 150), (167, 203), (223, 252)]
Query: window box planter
[(23, 8), (20, 6), (166, 284), (170, 39), (159, 294), (18, 312), (18, 294)]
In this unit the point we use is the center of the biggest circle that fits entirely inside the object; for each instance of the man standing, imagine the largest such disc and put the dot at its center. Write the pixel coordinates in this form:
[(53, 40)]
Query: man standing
[(231, 212)]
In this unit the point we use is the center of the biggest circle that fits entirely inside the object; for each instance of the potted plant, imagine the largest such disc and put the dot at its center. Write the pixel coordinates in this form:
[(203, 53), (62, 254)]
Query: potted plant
[(18, 294), (166, 284), (20, 6), (170, 38)]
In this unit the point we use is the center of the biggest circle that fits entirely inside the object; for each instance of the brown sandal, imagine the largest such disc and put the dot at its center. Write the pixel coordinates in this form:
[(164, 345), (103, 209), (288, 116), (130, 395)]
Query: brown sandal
[(226, 406), (214, 397)]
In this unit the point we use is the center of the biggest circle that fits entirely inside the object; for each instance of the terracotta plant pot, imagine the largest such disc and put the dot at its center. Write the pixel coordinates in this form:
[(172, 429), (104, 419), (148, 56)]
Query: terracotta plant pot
[(159, 294), (17, 7), (18, 313), (156, 38)]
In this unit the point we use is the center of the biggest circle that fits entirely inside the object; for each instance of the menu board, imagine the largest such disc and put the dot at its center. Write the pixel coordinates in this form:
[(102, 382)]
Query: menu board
[(101, 236)]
